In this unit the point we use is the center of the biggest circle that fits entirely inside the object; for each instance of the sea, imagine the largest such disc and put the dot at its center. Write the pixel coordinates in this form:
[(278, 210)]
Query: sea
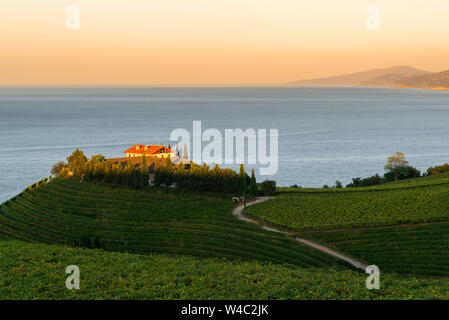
[(324, 133)]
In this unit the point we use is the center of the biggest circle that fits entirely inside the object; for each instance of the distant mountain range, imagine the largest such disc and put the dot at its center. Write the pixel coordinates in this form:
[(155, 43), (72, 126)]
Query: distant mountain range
[(399, 76)]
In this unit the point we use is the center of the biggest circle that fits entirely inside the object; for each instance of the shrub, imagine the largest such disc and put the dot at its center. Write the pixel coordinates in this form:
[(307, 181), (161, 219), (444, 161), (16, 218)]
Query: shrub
[(366, 182), (77, 162), (402, 173), (252, 185), (438, 169), (58, 168), (268, 187)]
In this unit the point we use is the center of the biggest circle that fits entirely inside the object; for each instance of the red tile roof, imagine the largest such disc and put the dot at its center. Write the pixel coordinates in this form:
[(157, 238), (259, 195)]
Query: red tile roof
[(151, 149)]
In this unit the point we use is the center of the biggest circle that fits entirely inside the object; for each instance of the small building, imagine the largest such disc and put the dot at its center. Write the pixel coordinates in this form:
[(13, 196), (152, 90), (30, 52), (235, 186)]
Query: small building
[(148, 150)]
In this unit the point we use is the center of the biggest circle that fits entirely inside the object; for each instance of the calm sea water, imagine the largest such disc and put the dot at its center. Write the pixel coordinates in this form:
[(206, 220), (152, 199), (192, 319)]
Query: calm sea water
[(325, 134)]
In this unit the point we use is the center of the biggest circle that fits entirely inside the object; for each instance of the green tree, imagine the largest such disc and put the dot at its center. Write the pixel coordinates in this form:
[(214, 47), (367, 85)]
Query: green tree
[(77, 163), (158, 173), (180, 176), (216, 179), (108, 175), (395, 164), (268, 187), (128, 174), (97, 158), (168, 167), (242, 178), (145, 173), (402, 173), (116, 172), (58, 169), (253, 184)]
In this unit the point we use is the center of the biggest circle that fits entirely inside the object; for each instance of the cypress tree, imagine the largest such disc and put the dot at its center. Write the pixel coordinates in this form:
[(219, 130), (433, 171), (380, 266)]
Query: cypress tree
[(137, 179), (242, 178), (129, 173), (253, 185), (158, 174), (116, 173), (179, 177), (144, 171), (108, 173), (168, 172)]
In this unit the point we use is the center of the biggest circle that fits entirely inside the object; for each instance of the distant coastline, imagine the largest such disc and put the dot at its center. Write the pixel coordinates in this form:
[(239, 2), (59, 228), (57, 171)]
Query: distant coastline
[(394, 77), (424, 88)]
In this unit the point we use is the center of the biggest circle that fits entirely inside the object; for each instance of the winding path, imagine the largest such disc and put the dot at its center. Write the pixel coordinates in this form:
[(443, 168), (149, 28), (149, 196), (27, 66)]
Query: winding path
[(238, 212)]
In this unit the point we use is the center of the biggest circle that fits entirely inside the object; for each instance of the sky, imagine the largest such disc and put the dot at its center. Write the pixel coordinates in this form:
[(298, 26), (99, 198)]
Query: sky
[(214, 42)]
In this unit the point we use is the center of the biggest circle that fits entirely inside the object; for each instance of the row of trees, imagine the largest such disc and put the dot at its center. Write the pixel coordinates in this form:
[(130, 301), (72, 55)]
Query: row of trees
[(127, 175), (193, 177), (397, 168), (204, 178), (97, 168)]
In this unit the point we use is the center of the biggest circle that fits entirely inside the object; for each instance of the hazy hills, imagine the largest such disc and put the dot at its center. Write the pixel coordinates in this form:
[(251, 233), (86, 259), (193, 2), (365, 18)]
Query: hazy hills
[(398, 76), (436, 81)]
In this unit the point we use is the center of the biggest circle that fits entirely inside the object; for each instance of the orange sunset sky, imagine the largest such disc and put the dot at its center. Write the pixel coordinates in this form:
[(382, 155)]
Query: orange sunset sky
[(213, 42)]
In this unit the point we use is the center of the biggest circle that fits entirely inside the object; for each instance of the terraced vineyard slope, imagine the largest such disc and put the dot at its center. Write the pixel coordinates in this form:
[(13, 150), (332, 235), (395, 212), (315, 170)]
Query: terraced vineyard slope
[(37, 271), (419, 250), (66, 212), (404, 229)]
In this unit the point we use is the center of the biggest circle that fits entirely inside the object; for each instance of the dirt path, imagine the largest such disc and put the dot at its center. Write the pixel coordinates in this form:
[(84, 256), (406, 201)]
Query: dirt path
[(238, 212)]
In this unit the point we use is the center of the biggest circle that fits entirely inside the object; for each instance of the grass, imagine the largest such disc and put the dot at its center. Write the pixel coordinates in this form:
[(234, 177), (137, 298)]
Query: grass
[(149, 221), (37, 271), (326, 211)]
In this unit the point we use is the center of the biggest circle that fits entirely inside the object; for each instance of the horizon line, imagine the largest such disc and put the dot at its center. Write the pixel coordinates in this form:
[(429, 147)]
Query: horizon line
[(277, 84)]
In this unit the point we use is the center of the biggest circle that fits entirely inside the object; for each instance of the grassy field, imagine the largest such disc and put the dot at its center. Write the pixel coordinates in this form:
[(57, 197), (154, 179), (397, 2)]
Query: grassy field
[(325, 211), (66, 212), (37, 271)]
